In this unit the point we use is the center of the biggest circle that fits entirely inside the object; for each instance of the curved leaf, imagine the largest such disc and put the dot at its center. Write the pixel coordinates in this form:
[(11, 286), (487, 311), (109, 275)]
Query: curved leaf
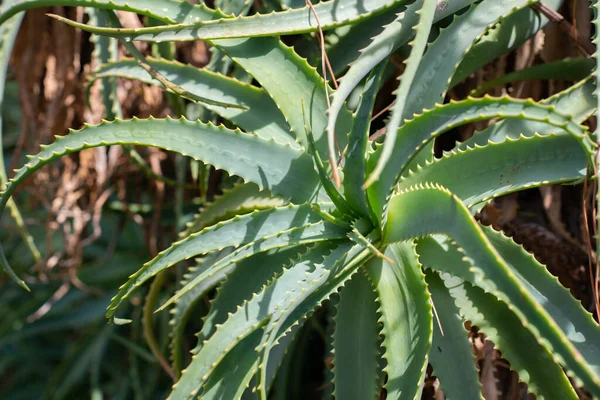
[(168, 11), (311, 272), (527, 357), (415, 134), (435, 210), (509, 33), (331, 14), (261, 115), (577, 101), (248, 278), (476, 175), (239, 231), (239, 200), (355, 341), (355, 160), (451, 353), (302, 234), (185, 305), (309, 295), (393, 36), (422, 28), (406, 317), (269, 164)]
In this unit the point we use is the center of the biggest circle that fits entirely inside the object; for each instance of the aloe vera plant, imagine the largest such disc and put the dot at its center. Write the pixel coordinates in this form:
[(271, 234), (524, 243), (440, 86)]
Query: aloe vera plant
[(392, 236)]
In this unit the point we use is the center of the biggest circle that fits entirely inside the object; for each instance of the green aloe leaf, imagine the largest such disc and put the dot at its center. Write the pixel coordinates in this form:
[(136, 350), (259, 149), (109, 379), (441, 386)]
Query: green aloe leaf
[(476, 175), (570, 69), (358, 140), (406, 316), (248, 278), (310, 272), (533, 362), (506, 35), (355, 341), (309, 295), (451, 353), (246, 231), (261, 115), (417, 133), (241, 199), (303, 234), (422, 29), (167, 11), (435, 210), (393, 36), (331, 15), (185, 305), (438, 64), (578, 101)]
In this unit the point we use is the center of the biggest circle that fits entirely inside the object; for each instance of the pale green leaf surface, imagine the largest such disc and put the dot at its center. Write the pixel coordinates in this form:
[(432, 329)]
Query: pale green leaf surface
[(355, 161), (422, 29), (451, 353), (506, 35), (331, 14), (406, 316), (261, 114), (577, 101), (310, 271), (239, 200), (393, 36), (417, 133), (245, 231), (355, 341), (527, 357), (435, 210), (308, 295), (185, 305), (303, 234), (478, 174), (168, 11)]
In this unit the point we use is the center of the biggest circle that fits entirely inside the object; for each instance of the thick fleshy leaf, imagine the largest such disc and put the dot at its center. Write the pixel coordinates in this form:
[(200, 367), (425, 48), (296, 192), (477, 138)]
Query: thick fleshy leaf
[(247, 231), (422, 29), (358, 140), (167, 11), (308, 296), (435, 210), (380, 47), (356, 341), (248, 278), (184, 307), (260, 115), (478, 174), (577, 101), (406, 316), (451, 353), (417, 133), (239, 200), (527, 357), (294, 21), (507, 34), (319, 270)]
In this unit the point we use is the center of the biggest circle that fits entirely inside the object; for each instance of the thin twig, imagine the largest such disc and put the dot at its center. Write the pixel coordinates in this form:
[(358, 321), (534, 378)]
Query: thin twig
[(325, 66), (584, 46)]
